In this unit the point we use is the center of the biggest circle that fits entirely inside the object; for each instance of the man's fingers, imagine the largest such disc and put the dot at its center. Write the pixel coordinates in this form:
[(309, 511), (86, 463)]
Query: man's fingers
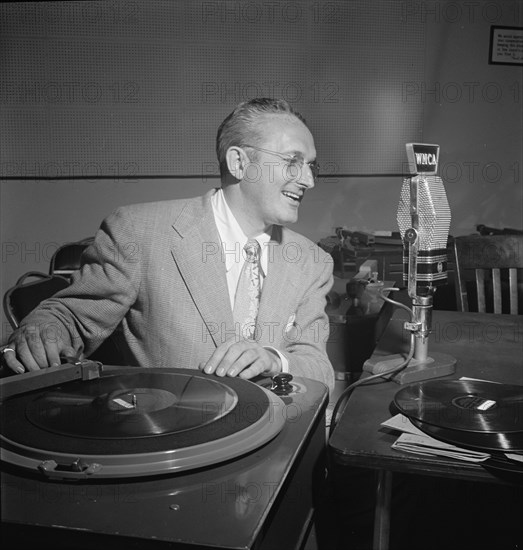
[(37, 351), (255, 369), (231, 357), (236, 359), (10, 360), (216, 358), (20, 358), (27, 350), (53, 352), (246, 359), (69, 354)]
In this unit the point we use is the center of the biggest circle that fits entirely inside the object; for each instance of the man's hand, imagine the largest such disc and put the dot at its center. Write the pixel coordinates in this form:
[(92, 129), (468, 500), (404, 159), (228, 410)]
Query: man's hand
[(32, 347), (245, 359)]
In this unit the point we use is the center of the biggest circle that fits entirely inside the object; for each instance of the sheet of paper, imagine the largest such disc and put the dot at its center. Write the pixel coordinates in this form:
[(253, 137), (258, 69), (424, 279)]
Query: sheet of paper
[(401, 423), (429, 446), (515, 456), (413, 440)]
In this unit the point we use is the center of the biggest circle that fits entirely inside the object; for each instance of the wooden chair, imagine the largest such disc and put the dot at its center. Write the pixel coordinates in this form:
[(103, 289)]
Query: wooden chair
[(488, 266)]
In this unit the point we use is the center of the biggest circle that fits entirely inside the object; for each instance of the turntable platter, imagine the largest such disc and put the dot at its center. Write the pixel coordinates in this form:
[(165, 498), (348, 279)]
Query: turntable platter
[(135, 422)]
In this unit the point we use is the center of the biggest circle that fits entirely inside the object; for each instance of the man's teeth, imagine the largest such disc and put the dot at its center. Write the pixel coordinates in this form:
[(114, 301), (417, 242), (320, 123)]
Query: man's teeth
[(293, 196)]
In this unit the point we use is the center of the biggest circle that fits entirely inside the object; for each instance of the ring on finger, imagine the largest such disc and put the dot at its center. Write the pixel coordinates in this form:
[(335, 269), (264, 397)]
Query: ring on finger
[(5, 350)]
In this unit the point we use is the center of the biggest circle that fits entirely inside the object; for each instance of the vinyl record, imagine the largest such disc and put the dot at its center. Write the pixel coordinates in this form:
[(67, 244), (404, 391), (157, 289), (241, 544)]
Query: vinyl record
[(471, 413), (139, 405), (135, 422), (487, 441)]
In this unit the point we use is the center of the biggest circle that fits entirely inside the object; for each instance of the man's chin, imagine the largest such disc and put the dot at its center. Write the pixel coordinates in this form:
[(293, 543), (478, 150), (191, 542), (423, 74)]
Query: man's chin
[(287, 220)]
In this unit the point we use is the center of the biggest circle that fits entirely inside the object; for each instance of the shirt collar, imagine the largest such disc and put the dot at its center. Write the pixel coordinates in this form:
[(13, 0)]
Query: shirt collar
[(232, 236)]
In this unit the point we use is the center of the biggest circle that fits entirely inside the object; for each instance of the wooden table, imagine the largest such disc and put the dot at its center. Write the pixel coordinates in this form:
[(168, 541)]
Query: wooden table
[(486, 346)]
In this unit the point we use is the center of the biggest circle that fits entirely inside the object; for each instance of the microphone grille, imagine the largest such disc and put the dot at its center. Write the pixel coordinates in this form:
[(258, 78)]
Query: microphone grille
[(433, 212), (433, 229)]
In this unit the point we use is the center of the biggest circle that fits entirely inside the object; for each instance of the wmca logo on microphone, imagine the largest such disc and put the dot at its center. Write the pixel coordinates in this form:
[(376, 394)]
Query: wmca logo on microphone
[(423, 158)]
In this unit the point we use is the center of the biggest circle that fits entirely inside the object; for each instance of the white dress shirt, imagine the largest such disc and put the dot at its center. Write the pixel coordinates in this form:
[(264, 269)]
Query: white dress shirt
[(233, 240)]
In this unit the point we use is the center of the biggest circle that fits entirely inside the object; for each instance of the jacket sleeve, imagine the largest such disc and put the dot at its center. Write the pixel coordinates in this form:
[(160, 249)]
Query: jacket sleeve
[(305, 342), (101, 292)]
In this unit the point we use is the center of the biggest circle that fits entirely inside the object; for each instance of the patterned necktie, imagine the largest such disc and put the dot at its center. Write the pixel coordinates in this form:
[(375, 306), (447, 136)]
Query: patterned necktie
[(248, 291)]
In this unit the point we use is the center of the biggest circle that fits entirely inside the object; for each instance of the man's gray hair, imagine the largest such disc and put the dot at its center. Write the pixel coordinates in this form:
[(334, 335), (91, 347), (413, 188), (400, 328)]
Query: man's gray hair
[(241, 126)]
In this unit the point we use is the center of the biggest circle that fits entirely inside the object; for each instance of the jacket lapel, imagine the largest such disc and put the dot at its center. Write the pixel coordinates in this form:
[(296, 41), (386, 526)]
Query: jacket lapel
[(197, 252)]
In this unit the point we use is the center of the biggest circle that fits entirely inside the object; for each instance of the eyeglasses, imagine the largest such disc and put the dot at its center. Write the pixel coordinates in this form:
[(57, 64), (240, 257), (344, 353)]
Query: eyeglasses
[(294, 162)]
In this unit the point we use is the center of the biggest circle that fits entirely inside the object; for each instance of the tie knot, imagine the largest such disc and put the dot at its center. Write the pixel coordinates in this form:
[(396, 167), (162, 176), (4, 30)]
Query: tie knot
[(252, 250)]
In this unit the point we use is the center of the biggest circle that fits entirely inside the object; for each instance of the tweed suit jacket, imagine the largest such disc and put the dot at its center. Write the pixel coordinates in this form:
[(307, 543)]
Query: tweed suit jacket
[(157, 272)]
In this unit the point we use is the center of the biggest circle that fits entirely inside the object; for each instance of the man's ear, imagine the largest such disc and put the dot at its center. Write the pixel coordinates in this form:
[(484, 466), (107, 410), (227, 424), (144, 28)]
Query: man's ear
[(236, 161)]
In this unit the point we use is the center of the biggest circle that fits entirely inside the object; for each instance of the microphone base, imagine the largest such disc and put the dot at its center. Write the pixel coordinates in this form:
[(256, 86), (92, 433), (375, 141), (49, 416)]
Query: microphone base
[(435, 366)]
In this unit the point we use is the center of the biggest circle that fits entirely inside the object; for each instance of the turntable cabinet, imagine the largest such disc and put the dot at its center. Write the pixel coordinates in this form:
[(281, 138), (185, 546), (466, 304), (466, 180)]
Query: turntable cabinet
[(159, 458)]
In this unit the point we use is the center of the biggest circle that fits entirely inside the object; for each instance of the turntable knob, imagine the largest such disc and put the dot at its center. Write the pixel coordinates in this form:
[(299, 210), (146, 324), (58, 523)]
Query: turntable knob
[(281, 384)]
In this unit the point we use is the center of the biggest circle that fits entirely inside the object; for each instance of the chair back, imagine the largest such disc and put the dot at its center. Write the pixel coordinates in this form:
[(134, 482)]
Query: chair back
[(489, 266), (31, 288), (67, 258)]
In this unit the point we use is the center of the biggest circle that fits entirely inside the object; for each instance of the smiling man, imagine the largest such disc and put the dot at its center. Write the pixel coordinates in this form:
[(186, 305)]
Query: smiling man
[(215, 282)]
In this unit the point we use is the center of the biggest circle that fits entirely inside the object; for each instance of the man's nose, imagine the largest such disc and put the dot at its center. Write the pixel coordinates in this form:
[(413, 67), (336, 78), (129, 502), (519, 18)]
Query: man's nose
[(301, 175), (306, 177)]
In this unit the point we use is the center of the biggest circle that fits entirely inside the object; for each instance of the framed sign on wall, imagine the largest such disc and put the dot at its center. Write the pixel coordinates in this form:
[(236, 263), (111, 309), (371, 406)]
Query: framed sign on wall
[(506, 45)]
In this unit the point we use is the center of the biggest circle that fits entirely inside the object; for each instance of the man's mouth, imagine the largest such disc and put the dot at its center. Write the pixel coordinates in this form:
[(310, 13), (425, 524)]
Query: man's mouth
[(293, 196)]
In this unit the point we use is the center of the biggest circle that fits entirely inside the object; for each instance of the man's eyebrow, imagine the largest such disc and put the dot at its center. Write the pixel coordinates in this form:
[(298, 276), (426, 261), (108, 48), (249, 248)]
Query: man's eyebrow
[(294, 153), (298, 154)]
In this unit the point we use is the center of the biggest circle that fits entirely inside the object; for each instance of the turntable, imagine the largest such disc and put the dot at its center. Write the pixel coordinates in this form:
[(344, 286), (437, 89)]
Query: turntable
[(96, 455)]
